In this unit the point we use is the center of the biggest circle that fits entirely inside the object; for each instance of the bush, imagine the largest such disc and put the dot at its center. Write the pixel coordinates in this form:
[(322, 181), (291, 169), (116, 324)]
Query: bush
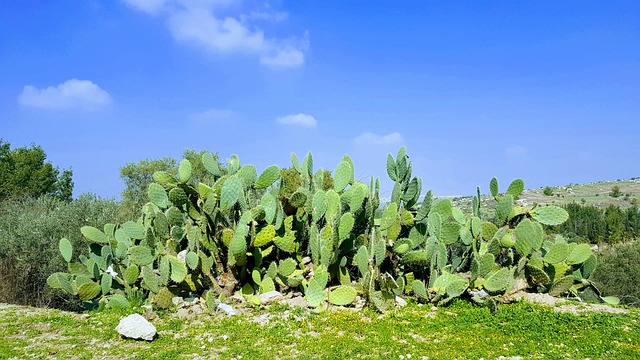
[(30, 230), (617, 273), (615, 192), (548, 191)]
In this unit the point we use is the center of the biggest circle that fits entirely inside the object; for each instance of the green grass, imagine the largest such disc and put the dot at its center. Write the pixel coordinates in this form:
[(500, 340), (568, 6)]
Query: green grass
[(460, 331)]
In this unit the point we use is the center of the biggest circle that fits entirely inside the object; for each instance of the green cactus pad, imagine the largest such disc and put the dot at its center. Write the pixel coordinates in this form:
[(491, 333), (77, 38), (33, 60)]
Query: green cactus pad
[(343, 295), (343, 176), (286, 243), (95, 235), (444, 207), (611, 300), (131, 274), (558, 253), (402, 246), (178, 269), (389, 216), (319, 204), (307, 165), (287, 267), (503, 209), (550, 215), (333, 205), (486, 264), (105, 283), (162, 299), (579, 254), (118, 301), (184, 171), (133, 230), (265, 236), (295, 162), (66, 249), (449, 233), (267, 285), (150, 280), (561, 286), (164, 178), (268, 177), (140, 255), (248, 175), (157, 195), (268, 203), (360, 192), (60, 280), (346, 225), (515, 188), (416, 257), (231, 192), (192, 260), (488, 230), (391, 168), (178, 197), (493, 187), (315, 293), (88, 291), (527, 237), (211, 165), (498, 281), (298, 199), (362, 260), (589, 266), (419, 289), (536, 275)]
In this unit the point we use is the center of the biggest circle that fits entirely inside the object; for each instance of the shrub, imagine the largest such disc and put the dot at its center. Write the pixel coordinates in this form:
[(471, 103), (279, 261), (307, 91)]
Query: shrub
[(617, 273), (29, 233), (615, 192), (548, 191)]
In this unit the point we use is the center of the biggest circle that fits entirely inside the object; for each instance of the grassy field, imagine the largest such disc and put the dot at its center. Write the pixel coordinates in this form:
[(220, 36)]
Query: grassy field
[(460, 331), (595, 194)]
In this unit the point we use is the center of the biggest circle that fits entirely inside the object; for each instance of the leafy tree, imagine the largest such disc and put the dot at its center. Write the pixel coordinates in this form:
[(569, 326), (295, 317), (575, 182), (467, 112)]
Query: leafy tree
[(548, 191), (25, 172), (138, 176), (615, 192)]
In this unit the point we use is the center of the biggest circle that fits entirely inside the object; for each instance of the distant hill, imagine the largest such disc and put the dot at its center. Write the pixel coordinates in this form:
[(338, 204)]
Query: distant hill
[(596, 194)]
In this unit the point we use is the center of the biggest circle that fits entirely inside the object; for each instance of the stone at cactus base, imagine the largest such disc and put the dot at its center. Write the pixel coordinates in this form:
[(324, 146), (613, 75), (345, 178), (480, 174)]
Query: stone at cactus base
[(135, 326)]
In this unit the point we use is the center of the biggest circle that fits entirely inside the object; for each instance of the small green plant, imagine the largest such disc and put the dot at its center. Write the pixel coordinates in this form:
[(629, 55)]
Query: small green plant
[(548, 191), (617, 273), (615, 191)]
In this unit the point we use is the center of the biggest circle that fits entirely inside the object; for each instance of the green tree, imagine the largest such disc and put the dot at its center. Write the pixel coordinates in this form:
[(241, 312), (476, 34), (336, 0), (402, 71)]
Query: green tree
[(138, 176), (25, 172), (615, 191), (548, 191)]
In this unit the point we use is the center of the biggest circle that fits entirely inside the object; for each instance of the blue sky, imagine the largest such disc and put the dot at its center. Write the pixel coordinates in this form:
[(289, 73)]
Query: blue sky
[(548, 91)]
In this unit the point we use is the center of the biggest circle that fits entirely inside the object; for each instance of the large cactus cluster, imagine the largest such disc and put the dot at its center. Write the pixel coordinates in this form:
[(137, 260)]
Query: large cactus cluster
[(302, 229)]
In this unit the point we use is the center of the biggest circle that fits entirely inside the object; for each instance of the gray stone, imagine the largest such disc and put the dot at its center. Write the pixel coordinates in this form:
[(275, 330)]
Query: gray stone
[(298, 301), (400, 301), (135, 326), (227, 309), (270, 296)]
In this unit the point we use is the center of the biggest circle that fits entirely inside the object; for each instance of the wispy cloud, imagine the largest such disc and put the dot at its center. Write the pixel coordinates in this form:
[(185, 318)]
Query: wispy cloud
[(214, 116), (370, 138), (72, 94), (298, 120), (199, 22)]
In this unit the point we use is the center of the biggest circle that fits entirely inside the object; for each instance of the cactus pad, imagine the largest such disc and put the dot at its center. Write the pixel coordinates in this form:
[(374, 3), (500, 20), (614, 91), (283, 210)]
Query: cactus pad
[(579, 254), (88, 290), (346, 225), (343, 295), (162, 299), (493, 187), (94, 234), (550, 215), (61, 281), (343, 176), (265, 236), (315, 293), (133, 230), (231, 192), (66, 249), (178, 269), (561, 286), (515, 188), (498, 280), (558, 253), (157, 195), (536, 275)]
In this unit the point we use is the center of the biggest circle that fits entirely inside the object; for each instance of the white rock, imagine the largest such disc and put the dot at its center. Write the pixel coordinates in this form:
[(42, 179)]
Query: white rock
[(400, 301), (135, 326), (270, 296), (227, 309)]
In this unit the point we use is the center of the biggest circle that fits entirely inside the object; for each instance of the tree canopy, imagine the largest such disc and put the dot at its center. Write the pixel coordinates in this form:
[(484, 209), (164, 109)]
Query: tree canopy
[(24, 171)]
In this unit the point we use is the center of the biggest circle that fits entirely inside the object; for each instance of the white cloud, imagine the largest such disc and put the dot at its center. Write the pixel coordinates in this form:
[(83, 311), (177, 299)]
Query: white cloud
[(214, 116), (72, 94), (370, 138), (199, 22), (297, 119)]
